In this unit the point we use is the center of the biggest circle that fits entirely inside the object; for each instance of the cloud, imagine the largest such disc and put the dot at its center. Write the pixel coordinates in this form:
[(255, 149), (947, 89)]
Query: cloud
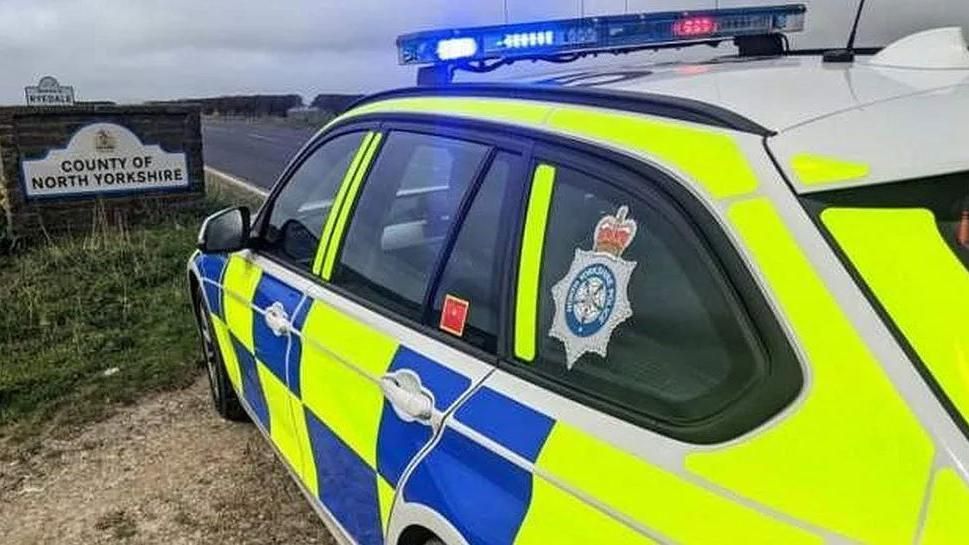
[(132, 50), (145, 49)]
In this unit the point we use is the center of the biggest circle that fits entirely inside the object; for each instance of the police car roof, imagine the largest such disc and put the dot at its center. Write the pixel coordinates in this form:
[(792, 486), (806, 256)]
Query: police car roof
[(900, 123), (901, 114), (778, 93)]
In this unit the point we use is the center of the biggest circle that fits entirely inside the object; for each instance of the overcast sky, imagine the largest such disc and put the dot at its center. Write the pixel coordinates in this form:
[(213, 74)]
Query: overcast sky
[(133, 50)]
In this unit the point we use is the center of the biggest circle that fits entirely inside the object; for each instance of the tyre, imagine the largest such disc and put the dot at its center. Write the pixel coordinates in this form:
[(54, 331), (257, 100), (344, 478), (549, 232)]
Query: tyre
[(434, 541), (223, 396)]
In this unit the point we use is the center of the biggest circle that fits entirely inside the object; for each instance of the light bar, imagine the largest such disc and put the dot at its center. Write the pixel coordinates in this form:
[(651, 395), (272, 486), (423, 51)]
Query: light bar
[(596, 34), (456, 48)]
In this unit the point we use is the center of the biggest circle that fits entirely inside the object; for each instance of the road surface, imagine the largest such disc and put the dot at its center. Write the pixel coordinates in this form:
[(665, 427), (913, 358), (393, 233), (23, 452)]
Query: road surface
[(165, 470), (253, 151)]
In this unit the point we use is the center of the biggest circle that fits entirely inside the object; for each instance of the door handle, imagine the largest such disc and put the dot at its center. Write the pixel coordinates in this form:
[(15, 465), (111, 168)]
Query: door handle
[(277, 320), (411, 401)]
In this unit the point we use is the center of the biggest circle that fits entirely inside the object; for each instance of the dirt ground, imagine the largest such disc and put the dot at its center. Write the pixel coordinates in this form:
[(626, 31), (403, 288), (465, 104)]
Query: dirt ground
[(166, 470)]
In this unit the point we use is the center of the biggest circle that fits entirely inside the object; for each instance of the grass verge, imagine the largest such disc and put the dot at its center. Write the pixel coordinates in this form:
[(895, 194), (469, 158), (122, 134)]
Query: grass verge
[(92, 321)]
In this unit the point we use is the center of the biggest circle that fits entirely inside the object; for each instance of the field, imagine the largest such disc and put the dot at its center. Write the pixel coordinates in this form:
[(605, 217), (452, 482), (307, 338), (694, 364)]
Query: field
[(96, 320), (107, 433)]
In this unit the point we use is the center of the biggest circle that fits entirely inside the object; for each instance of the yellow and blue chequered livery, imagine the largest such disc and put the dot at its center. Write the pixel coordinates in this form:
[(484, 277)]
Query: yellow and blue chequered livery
[(460, 476), (407, 425), (339, 430)]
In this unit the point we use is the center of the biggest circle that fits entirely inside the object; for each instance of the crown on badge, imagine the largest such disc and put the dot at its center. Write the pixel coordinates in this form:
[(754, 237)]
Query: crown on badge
[(104, 141), (615, 233)]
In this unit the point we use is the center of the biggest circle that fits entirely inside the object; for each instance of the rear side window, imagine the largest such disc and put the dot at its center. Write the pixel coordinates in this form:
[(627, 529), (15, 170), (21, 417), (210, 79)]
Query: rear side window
[(473, 274), (907, 244), (403, 216), (633, 310), (302, 206)]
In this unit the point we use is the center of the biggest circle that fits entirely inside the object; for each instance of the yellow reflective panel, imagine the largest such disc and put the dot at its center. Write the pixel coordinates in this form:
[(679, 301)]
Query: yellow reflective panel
[(287, 426), (239, 286), (815, 170), (339, 384), (710, 157), (852, 458), (349, 403), (385, 495), (558, 517), (333, 246), (338, 202), (227, 351), (515, 111), (923, 286), (947, 521), (530, 264), (678, 509), (353, 341)]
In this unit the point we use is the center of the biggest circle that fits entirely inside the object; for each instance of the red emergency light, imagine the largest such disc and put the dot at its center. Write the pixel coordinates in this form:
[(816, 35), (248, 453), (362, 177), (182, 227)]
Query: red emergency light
[(694, 26)]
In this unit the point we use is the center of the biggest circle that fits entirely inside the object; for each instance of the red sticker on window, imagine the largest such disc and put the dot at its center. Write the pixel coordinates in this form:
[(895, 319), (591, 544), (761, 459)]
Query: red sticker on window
[(454, 315)]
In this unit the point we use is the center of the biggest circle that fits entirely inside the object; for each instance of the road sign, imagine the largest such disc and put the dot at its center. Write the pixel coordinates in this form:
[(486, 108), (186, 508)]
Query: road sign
[(49, 92), (104, 158)]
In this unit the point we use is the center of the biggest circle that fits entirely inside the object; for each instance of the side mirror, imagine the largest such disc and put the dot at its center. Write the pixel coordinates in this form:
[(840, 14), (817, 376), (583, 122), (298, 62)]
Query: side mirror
[(225, 231)]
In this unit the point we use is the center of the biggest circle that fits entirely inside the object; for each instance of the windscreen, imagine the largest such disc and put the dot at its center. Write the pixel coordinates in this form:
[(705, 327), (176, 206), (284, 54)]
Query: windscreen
[(907, 244)]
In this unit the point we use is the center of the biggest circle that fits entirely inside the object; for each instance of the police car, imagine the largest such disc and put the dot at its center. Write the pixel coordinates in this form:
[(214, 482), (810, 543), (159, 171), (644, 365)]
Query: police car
[(712, 302)]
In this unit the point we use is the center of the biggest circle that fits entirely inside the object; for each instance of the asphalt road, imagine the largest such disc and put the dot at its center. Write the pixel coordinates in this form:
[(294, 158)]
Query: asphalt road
[(256, 152)]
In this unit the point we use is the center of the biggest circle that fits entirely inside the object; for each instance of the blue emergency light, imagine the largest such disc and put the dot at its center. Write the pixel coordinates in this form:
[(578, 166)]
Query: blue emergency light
[(563, 39)]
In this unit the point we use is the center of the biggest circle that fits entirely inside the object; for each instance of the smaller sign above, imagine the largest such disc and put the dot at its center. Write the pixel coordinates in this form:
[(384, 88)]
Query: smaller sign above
[(104, 158), (48, 92)]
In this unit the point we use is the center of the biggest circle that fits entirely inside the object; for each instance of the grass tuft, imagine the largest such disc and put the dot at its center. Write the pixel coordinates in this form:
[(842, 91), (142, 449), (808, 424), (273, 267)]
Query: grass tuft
[(88, 322)]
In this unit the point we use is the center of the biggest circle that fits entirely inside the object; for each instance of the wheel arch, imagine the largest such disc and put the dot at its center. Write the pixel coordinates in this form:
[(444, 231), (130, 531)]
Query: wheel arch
[(194, 285), (415, 524), (416, 535)]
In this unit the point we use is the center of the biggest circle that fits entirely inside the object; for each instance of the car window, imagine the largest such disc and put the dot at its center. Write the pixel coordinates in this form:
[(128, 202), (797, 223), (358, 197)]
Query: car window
[(631, 308), (302, 206), (397, 232), (471, 281), (908, 243)]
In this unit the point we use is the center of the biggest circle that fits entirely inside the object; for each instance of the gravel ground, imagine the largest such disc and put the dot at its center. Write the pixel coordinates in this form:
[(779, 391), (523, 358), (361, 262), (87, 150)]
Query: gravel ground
[(166, 470)]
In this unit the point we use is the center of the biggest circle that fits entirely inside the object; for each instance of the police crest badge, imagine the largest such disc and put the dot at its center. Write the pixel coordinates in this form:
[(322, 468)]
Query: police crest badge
[(592, 300)]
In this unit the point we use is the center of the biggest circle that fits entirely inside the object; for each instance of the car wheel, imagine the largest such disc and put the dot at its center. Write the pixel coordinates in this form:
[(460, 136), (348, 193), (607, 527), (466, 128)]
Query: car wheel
[(434, 541), (223, 396)]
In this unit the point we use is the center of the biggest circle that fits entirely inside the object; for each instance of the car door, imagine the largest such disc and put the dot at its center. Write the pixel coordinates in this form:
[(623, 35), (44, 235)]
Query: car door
[(628, 347), (259, 301), (381, 361)]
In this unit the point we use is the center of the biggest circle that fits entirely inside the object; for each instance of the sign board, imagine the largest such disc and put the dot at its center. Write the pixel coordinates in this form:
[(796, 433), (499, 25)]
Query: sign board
[(48, 92), (100, 159)]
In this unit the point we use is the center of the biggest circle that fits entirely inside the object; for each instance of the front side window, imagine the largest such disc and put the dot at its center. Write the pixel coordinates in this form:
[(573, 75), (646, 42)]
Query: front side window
[(632, 309), (403, 217), (301, 208)]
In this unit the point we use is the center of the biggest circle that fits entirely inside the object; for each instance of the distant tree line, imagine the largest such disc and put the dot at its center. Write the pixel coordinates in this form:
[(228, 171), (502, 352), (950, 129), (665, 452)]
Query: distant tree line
[(335, 104), (247, 105), (266, 105)]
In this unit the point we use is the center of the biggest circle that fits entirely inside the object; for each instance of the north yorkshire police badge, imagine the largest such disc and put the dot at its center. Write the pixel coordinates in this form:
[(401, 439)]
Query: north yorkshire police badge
[(592, 299)]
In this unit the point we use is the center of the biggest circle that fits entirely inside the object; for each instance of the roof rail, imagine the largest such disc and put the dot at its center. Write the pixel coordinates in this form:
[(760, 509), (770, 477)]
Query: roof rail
[(683, 109)]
